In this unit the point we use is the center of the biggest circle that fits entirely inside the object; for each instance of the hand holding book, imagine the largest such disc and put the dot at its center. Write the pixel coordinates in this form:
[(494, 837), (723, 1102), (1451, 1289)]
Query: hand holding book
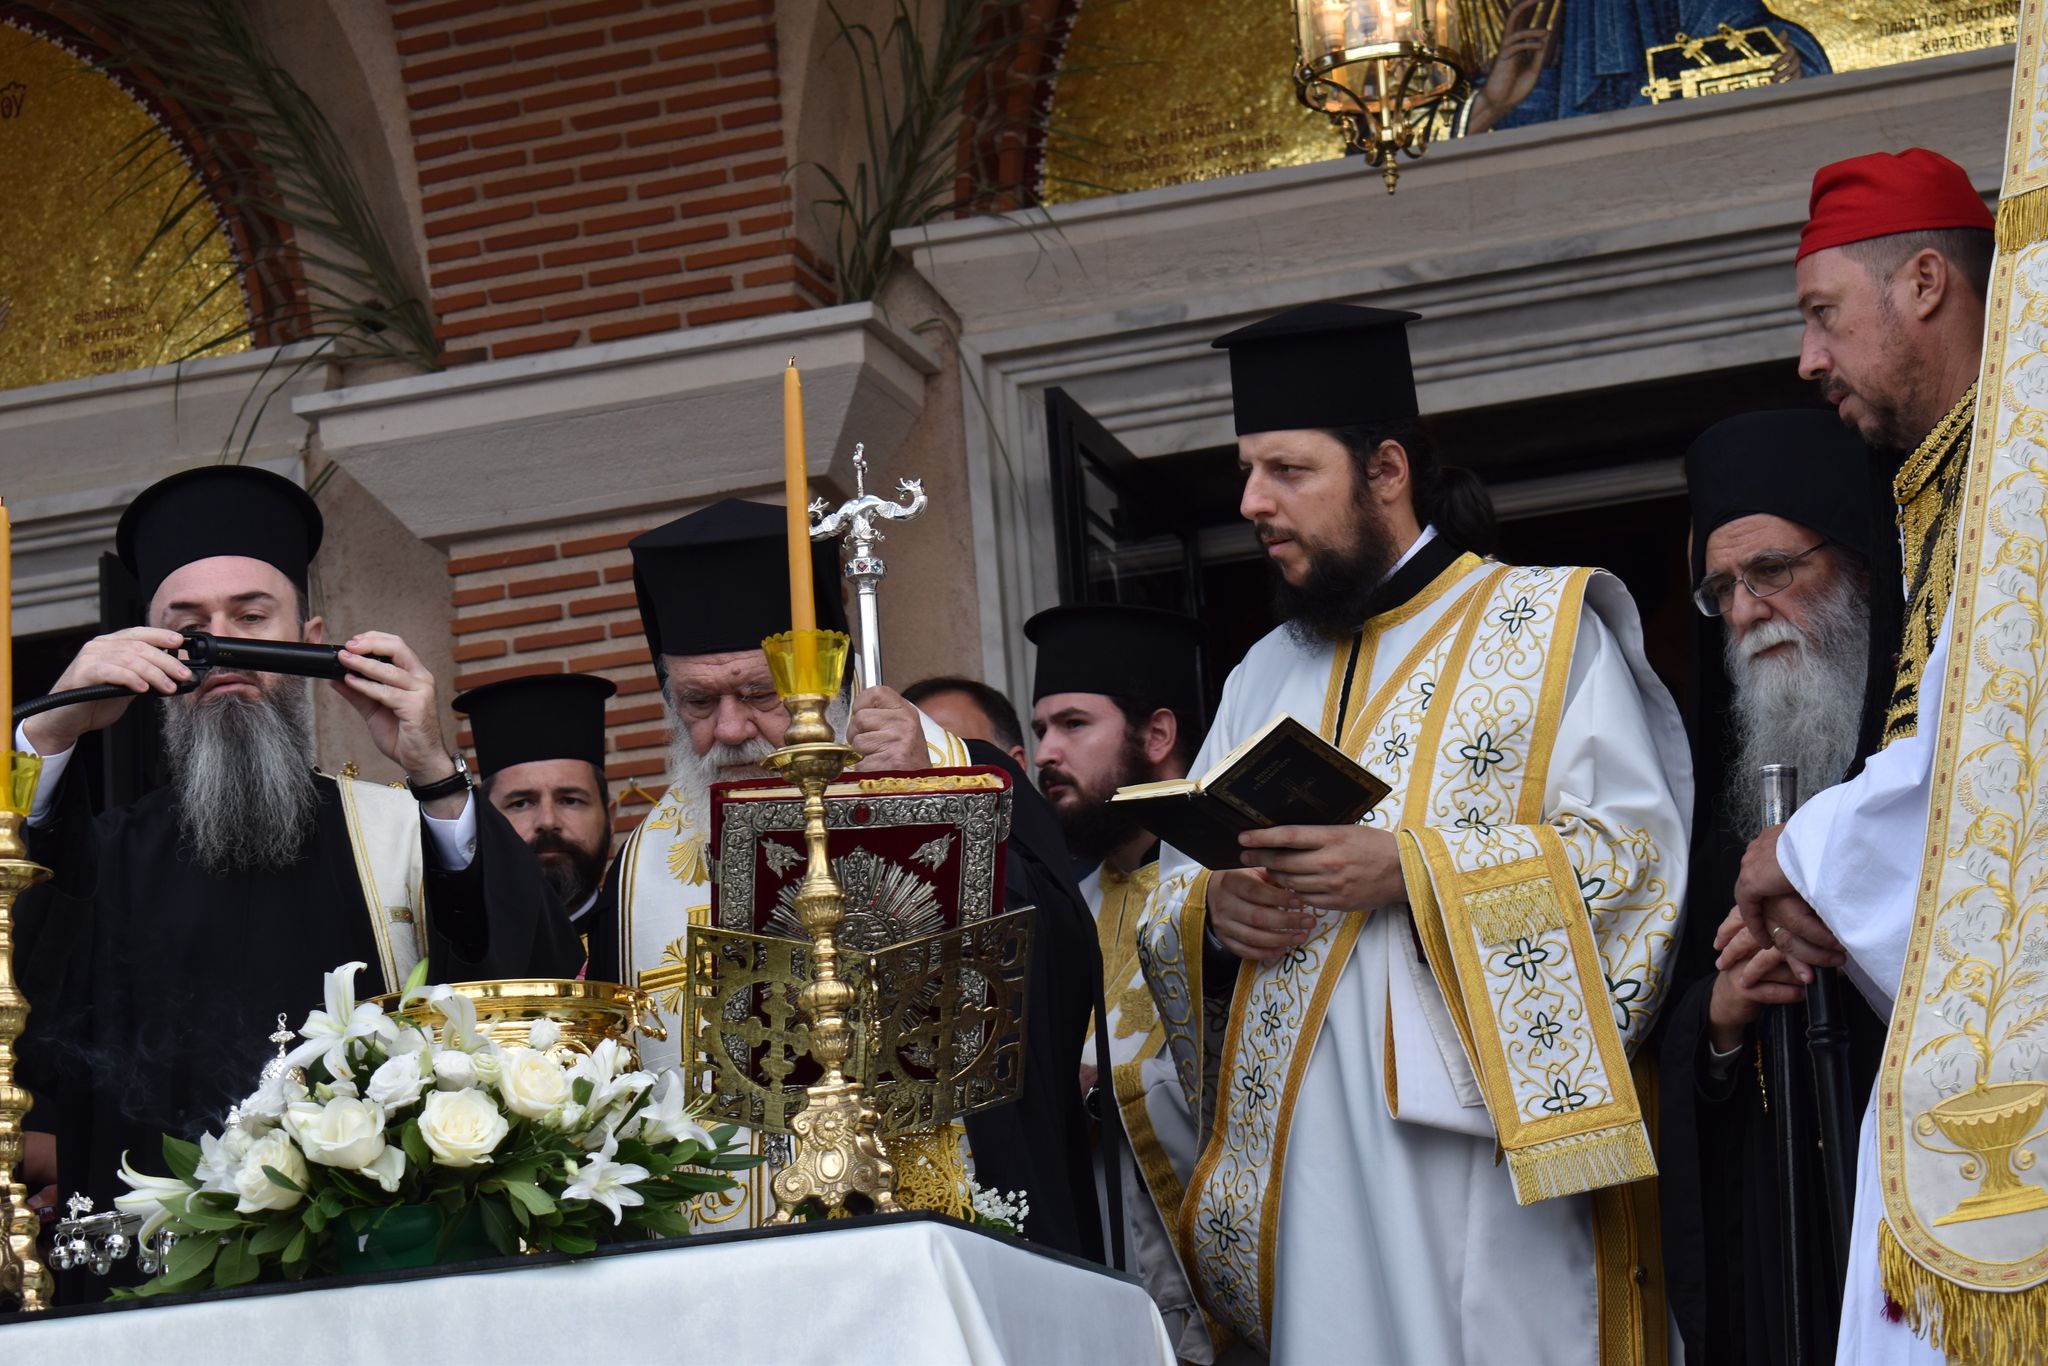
[(1284, 776)]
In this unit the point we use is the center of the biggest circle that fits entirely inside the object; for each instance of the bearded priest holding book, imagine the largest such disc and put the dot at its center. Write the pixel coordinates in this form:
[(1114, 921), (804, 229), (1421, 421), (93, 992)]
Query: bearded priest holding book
[(1391, 1006)]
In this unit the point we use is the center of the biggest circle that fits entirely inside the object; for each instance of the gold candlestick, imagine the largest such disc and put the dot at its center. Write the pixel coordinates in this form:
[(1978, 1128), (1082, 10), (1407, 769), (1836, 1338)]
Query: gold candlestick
[(24, 1280), (839, 1149)]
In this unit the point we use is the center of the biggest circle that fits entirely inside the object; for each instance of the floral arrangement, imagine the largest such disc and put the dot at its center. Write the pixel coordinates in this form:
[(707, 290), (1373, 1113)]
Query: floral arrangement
[(537, 1145)]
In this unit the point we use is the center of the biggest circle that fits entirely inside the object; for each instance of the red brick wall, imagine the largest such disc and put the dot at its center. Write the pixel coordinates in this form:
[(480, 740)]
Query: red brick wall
[(599, 170), (535, 606)]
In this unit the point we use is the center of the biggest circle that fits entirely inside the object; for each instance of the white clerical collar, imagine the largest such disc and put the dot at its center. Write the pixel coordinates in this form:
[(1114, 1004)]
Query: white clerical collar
[(1428, 535), (588, 902)]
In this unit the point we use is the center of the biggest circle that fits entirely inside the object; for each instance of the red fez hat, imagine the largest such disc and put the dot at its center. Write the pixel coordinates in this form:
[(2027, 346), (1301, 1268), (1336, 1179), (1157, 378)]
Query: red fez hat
[(1889, 192)]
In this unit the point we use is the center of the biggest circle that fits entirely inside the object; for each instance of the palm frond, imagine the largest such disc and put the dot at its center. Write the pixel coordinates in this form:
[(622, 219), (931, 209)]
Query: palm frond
[(915, 82), (320, 267)]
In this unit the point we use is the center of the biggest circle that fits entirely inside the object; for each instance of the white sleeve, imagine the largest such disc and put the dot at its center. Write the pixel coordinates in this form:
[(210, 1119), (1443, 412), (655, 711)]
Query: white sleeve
[(1854, 850), (455, 841), (48, 781)]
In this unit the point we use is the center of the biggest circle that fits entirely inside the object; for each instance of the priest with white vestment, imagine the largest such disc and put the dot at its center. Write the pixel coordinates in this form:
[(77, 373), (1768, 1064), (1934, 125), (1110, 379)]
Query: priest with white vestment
[(1460, 976), (712, 586)]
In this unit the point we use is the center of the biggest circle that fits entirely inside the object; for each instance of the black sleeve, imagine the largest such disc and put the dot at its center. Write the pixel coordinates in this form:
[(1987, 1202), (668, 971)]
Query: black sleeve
[(1039, 1142), (607, 955), (496, 918)]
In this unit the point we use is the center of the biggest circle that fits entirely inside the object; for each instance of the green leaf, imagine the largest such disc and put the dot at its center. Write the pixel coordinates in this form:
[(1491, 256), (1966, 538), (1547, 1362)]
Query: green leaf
[(531, 1196), (190, 1257), (199, 1217), (576, 1244), (275, 1235), (314, 1219), (234, 1265), (295, 1250), (330, 1204), (497, 1227), (181, 1158), (415, 1145), (581, 1090), (278, 1178)]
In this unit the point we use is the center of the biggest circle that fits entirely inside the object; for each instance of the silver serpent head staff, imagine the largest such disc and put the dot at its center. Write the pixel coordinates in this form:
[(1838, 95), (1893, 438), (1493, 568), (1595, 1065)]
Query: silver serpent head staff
[(855, 522)]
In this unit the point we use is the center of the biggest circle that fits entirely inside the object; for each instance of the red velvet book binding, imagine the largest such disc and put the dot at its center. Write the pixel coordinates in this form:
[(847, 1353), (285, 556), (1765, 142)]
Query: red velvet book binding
[(916, 852)]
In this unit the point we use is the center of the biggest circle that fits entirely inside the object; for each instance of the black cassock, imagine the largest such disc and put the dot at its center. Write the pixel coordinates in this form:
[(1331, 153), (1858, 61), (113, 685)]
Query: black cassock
[(153, 984), (1039, 1143)]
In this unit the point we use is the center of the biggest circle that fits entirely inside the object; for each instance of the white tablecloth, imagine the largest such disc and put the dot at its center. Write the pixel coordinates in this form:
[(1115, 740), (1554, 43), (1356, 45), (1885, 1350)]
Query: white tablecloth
[(909, 1291)]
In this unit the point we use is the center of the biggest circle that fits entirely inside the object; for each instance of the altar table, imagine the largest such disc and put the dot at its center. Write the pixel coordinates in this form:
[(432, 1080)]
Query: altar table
[(890, 1289)]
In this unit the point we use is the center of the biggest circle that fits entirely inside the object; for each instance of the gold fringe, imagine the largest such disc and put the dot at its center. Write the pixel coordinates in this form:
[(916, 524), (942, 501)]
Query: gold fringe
[(1520, 910), (1971, 1327), (1583, 1162), (2023, 220)]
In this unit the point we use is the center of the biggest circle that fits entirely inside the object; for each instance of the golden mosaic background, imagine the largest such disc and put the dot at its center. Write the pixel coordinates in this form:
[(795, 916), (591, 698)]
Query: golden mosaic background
[(1160, 98), (73, 302)]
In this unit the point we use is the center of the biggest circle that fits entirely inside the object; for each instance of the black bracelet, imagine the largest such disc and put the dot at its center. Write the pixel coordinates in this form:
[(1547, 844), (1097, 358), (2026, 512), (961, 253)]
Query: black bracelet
[(458, 781)]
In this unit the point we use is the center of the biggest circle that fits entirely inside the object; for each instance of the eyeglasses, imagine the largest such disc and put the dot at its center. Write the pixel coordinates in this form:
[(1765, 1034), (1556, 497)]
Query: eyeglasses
[(1762, 576), (701, 706)]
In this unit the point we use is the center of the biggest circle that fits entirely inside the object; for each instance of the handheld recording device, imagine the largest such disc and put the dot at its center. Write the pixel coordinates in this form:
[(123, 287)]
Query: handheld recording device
[(204, 651)]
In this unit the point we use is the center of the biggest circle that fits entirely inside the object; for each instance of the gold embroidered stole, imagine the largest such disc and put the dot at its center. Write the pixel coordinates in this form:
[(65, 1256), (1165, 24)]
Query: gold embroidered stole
[(1229, 1222), (384, 834), (1928, 490), (1961, 1096), (664, 888), (1135, 1034)]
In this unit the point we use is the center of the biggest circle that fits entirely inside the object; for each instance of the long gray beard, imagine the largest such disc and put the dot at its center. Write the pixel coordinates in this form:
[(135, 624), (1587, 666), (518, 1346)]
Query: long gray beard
[(691, 774), (1807, 710), (243, 769)]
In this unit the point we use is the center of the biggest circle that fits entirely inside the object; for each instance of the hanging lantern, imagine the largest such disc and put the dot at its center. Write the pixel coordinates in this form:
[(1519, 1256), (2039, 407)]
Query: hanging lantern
[(1381, 69)]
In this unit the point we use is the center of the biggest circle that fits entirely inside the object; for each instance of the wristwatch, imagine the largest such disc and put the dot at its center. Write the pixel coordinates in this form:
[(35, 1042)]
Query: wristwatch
[(458, 781)]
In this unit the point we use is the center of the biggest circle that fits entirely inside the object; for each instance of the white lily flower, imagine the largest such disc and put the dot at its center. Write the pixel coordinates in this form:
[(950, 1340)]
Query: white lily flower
[(152, 1197), (667, 1117), (328, 1033), (608, 1183), (458, 1019)]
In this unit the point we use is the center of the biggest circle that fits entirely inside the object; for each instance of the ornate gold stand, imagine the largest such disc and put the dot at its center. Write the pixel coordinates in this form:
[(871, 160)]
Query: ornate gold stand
[(24, 1280), (839, 1150)]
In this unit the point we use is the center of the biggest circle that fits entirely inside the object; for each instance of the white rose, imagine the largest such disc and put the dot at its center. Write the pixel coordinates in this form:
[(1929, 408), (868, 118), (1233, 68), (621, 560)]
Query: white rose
[(543, 1034), (487, 1062), (345, 1132), (266, 1106), (453, 1070), (462, 1128), (533, 1084), (255, 1190), (398, 1082)]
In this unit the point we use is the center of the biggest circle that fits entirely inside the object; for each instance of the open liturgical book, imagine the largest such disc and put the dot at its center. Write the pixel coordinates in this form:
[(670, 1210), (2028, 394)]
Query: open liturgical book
[(1285, 774)]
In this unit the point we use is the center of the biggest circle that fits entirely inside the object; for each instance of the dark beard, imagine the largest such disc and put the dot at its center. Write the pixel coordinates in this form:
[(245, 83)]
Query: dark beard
[(1093, 826), (573, 878), (1335, 596), (243, 769)]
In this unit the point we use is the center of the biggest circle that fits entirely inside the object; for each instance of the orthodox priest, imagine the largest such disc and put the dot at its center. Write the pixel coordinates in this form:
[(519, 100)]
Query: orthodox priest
[(1461, 974), (724, 717), (1893, 269), (1792, 546), (1115, 697), (540, 749), (178, 929)]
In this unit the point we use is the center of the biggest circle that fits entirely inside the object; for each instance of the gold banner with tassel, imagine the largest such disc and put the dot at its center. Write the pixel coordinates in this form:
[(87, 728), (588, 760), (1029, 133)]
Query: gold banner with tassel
[(1963, 1249)]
